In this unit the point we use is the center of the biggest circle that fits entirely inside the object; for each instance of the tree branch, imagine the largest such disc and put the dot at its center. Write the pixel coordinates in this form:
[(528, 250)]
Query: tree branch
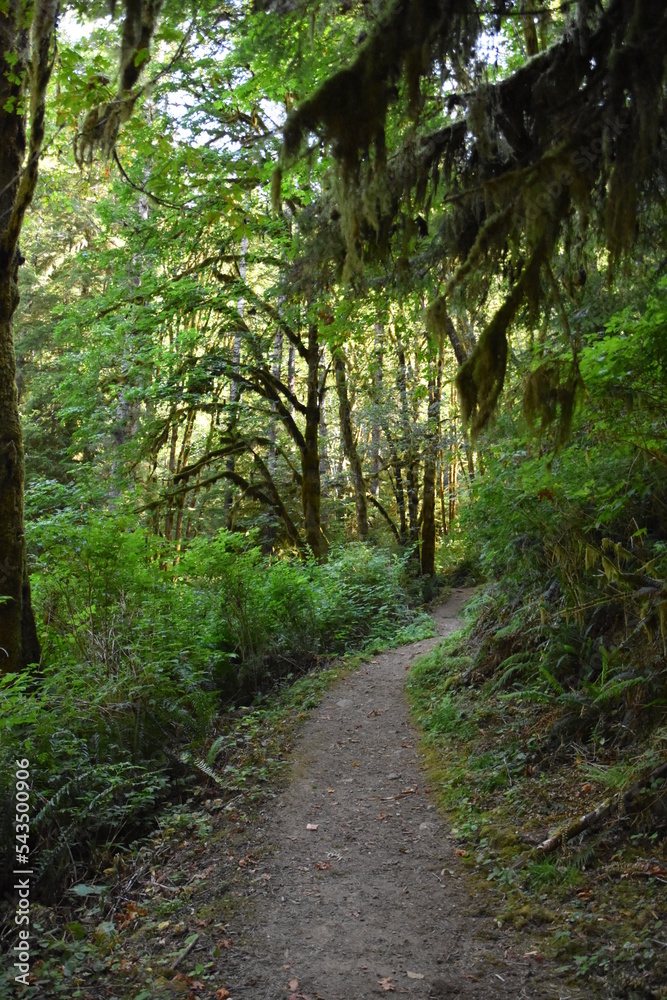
[(386, 516), (621, 802), (39, 72)]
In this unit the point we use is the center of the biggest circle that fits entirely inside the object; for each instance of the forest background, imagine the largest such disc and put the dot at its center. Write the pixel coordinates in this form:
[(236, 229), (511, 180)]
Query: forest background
[(324, 306)]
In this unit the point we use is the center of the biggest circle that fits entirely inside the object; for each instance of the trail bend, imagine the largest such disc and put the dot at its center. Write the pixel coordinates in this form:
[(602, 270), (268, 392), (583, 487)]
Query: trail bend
[(360, 892)]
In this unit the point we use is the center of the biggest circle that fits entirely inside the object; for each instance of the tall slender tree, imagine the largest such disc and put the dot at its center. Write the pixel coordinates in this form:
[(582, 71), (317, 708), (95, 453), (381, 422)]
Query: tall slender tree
[(27, 41)]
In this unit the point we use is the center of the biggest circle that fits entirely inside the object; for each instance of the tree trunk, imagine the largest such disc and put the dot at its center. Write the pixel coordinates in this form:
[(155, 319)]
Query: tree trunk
[(169, 516), (441, 493), (411, 463), (291, 373), (310, 459), (19, 645), (183, 458), (275, 369), (435, 362), (349, 445), (235, 387), (527, 7), (324, 430), (13, 572), (26, 85), (375, 418), (397, 485)]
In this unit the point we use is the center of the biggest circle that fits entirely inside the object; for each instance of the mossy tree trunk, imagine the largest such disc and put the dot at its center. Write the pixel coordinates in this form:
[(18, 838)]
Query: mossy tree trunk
[(27, 58), (235, 385), (377, 402), (310, 458), (435, 363), (395, 471), (349, 444), (27, 51), (411, 459)]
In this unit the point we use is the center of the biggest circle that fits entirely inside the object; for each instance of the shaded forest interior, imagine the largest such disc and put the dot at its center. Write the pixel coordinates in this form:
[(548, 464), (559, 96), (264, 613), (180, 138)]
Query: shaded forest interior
[(308, 312)]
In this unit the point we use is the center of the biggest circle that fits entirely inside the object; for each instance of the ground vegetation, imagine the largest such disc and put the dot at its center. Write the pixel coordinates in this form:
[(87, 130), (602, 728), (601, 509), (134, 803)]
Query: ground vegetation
[(316, 308)]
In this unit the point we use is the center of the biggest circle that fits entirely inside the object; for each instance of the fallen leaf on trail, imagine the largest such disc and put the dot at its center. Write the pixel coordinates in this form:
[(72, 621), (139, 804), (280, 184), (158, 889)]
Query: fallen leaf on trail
[(415, 975), (294, 985), (222, 993), (312, 826), (408, 746), (383, 816), (203, 874), (224, 943), (323, 865), (302, 868), (355, 763), (460, 852), (330, 789), (534, 954), (129, 915), (474, 978), (386, 984)]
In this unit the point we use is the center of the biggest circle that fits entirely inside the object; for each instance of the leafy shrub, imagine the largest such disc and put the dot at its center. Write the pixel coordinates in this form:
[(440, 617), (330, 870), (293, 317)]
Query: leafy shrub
[(140, 648)]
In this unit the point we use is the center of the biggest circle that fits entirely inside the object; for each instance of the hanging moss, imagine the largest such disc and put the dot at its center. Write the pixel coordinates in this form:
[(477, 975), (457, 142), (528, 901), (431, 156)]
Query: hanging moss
[(480, 380), (350, 108), (102, 124), (549, 394), (573, 134)]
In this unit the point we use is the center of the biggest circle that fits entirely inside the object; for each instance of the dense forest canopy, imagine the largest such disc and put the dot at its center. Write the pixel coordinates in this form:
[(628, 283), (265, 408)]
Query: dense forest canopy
[(302, 306)]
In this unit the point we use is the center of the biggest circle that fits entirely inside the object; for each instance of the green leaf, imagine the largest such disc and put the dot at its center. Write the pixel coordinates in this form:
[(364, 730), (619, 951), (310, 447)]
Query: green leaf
[(141, 56)]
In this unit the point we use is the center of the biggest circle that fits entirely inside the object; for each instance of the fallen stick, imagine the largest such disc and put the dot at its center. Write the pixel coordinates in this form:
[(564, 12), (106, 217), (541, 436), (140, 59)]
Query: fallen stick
[(185, 952), (621, 803)]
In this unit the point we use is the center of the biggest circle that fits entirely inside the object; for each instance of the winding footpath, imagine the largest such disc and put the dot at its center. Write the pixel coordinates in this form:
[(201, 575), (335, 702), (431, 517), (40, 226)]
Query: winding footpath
[(359, 891)]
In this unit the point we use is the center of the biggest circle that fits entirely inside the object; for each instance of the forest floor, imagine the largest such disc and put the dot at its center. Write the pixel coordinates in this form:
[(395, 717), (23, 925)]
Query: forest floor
[(342, 884), (330, 875)]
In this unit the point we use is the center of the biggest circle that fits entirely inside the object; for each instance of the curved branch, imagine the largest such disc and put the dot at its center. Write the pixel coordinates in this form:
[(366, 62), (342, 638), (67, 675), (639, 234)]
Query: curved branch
[(41, 65)]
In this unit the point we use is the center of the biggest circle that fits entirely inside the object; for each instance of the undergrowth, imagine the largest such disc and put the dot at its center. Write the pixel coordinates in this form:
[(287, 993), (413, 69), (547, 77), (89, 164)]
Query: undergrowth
[(505, 787), (552, 702), (142, 888), (144, 648)]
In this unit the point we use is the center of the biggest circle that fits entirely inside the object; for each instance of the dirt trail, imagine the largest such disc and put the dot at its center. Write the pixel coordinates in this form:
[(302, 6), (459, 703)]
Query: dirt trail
[(370, 900)]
